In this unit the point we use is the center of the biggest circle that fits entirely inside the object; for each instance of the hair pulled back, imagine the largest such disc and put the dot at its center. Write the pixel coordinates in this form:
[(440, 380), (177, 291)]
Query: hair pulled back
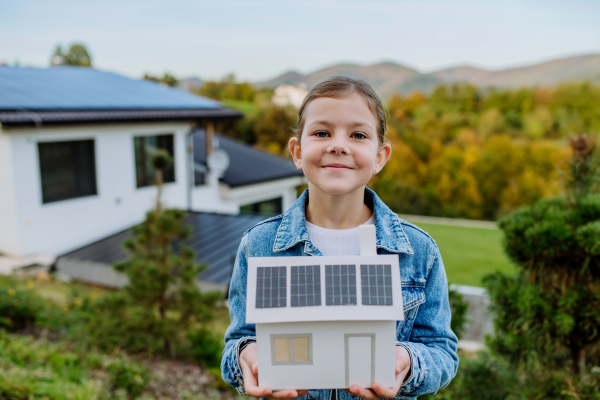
[(342, 86)]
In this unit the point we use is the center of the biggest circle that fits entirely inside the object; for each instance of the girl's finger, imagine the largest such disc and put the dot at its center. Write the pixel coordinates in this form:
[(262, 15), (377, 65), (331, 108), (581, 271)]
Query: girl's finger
[(382, 391), (285, 394), (250, 382), (360, 391)]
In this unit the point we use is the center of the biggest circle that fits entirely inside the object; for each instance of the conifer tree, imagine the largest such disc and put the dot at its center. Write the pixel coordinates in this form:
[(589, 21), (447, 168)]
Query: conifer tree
[(162, 269), (548, 315)]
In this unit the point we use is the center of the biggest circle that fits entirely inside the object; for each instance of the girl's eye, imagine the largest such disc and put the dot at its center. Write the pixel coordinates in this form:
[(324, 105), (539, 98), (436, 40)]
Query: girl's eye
[(321, 134), (359, 135)]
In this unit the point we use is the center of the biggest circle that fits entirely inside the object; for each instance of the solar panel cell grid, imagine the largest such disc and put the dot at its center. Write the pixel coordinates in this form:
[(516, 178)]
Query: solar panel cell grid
[(376, 285), (340, 285), (306, 286), (270, 287)]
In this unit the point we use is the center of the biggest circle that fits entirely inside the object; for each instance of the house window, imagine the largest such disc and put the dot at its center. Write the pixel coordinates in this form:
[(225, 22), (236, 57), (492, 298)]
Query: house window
[(340, 285), (273, 206), (291, 349), (145, 146), (270, 287), (67, 170), (306, 286), (376, 285)]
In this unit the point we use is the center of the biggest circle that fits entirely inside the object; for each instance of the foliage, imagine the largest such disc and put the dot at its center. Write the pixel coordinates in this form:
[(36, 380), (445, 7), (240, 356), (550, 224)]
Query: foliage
[(228, 88), (206, 347), (458, 307), (465, 152), (19, 307), (166, 79), (37, 369), (547, 316), (162, 299), (77, 55)]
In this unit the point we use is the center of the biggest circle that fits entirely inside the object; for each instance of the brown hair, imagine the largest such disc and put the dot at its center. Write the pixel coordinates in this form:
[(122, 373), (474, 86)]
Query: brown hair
[(342, 86)]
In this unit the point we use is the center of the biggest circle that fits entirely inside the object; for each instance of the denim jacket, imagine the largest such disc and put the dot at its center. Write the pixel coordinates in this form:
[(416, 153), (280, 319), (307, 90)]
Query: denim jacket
[(425, 331)]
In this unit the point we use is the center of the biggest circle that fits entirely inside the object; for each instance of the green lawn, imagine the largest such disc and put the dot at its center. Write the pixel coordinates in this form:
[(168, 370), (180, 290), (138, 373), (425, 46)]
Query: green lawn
[(469, 253)]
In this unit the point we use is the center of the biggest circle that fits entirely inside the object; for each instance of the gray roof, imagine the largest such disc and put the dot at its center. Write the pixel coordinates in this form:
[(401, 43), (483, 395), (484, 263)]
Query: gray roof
[(248, 165), (215, 238), (33, 96)]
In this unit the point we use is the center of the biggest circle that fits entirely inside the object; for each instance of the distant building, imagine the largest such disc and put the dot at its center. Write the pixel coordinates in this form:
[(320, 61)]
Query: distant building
[(189, 84), (289, 95), (75, 146)]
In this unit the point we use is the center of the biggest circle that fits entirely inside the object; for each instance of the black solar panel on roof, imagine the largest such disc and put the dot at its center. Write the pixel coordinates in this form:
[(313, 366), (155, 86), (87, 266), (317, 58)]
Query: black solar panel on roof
[(247, 164), (215, 238)]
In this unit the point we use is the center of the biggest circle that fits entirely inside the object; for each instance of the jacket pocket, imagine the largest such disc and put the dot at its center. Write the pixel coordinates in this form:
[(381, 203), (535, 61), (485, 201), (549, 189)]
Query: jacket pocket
[(412, 296)]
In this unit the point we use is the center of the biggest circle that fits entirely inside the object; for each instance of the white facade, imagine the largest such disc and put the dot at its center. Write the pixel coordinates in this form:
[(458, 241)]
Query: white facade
[(30, 227), (289, 95)]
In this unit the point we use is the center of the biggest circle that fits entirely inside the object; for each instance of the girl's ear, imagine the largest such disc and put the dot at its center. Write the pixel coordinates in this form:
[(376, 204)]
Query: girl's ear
[(383, 155), (295, 151)]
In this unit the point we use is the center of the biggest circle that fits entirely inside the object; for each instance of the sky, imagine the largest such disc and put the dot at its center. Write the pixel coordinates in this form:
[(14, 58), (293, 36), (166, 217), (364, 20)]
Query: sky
[(258, 40)]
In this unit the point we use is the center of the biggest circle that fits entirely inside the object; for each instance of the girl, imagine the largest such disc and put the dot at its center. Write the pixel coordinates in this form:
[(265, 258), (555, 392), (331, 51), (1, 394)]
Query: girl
[(340, 144)]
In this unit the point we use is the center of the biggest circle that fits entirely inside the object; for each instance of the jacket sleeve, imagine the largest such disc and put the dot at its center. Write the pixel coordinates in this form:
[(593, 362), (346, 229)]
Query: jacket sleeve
[(432, 344), (238, 331)]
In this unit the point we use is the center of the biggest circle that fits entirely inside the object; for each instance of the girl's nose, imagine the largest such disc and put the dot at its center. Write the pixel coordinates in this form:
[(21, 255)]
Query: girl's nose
[(338, 145)]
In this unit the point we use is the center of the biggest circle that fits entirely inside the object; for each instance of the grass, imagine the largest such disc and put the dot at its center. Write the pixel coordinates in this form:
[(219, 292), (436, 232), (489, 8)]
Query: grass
[(469, 253), (247, 107)]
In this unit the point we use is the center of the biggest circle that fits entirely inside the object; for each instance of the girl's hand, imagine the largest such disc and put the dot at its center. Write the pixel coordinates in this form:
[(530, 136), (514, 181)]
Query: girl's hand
[(249, 364), (377, 390)]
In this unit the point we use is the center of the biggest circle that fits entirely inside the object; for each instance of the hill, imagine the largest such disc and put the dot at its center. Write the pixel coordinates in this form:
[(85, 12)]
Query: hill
[(390, 77)]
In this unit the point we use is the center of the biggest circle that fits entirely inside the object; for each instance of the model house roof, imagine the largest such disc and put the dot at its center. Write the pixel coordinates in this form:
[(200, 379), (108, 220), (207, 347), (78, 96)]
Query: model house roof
[(328, 288), (33, 96), (247, 164), (215, 238)]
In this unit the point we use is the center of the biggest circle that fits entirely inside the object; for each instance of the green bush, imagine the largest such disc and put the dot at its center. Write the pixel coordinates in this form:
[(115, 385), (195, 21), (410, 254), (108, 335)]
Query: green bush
[(38, 369), (458, 307), (206, 347), (19, 307), (129, 377)]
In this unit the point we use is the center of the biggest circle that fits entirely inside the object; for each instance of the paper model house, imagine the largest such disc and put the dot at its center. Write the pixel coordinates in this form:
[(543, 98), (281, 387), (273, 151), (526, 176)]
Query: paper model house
[(325, 322)]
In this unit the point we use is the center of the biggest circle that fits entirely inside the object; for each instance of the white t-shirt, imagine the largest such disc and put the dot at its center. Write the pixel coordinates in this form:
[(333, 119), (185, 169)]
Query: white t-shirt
[(336, 242)]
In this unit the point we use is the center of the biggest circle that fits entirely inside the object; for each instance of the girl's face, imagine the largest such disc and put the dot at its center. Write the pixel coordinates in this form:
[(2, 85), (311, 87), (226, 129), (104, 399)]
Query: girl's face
[(339, 150)]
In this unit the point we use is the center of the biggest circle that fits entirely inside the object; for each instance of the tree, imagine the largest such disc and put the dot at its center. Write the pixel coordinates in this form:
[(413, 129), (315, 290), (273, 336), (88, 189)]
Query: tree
[(167, 79), (162, 270), (549, 313), (77, 55)]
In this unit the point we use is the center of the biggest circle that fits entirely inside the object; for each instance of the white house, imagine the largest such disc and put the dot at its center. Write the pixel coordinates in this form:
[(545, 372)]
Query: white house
[(289, 95), (325, 322), (74, 158)]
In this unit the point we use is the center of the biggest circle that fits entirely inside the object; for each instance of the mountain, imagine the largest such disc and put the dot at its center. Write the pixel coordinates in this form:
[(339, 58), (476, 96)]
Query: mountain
[(389, 77)]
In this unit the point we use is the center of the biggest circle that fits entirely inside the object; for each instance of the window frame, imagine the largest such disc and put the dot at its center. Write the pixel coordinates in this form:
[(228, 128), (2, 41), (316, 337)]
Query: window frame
[(92, 170), (290, 337), (135, 161)]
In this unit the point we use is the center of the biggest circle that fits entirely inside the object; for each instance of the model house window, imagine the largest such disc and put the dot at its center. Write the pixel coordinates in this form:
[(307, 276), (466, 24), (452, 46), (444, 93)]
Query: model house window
[(145, 146), (376, 285), (306, 286), (340, 285), (270, 287), (67, 170), (291, 349)]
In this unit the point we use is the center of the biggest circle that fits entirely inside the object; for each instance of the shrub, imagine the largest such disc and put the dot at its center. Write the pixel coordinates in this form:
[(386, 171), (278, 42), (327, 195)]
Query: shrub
[(19, 307), (458, 307), (206, 347), (129, 377)]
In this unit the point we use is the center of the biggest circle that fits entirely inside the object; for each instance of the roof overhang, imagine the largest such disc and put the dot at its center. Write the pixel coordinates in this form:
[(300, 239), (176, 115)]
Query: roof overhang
[(28, 118)]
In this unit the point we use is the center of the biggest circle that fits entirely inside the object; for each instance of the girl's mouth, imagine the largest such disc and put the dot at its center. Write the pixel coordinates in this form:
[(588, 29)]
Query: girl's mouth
[(336, 166)]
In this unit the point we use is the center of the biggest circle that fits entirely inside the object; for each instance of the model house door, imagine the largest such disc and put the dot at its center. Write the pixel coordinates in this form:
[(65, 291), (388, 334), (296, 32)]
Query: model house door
[(360, 363)]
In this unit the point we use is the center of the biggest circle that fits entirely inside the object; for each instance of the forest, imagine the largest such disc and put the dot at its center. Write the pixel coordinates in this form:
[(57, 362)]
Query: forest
[(462, 151)]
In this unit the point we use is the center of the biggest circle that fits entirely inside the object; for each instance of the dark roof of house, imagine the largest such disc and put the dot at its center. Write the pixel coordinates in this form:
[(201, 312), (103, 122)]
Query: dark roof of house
[(215, 238), (248, 165), (34, 96)]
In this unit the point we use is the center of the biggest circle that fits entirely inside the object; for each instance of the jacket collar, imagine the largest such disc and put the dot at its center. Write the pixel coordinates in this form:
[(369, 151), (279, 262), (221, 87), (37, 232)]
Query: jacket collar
[(390, 235)]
